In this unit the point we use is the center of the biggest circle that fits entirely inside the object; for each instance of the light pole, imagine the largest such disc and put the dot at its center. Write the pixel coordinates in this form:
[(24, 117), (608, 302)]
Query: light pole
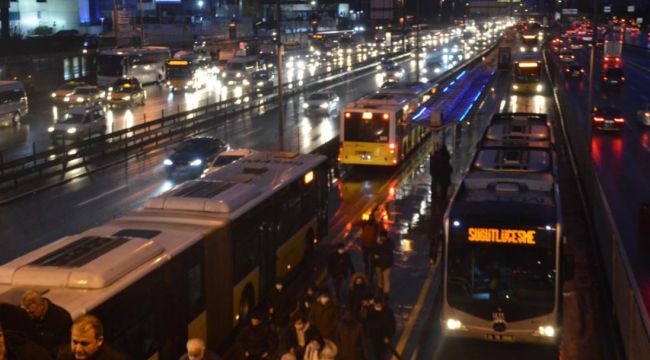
[(417, 40), (280, 70), (592, 54)]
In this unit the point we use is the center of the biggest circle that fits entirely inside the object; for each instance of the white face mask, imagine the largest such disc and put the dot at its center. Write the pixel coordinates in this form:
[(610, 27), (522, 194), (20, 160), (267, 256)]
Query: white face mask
[(278, 286), (324, 300), (378, 308), (193, 357), (340, 251)]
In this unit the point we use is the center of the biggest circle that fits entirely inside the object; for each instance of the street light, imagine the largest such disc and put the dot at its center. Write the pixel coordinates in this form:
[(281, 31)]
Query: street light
[(200, 4)]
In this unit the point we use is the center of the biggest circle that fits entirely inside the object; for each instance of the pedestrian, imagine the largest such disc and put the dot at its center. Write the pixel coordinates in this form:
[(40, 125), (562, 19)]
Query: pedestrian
[(359, 296), (444, 172), (380, 327), (16, 321), (324, 315), (369, 230), (280, 308), (434, 159), (196, 350), (51, 322), (257, 340), (339, 268), (384, 262), (350, 338), (87, 342), (300, 335), (436, 240), (307, 300), (15, 346)]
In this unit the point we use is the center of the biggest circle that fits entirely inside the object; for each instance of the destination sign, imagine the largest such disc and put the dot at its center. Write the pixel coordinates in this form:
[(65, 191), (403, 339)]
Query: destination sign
[(505, 236)]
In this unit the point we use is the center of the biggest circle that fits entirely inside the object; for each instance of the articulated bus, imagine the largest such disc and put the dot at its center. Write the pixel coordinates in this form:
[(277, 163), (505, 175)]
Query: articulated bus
[(527, 77), (188, 70), (374, 130), (503, 230), (147, 64), (193, 262)]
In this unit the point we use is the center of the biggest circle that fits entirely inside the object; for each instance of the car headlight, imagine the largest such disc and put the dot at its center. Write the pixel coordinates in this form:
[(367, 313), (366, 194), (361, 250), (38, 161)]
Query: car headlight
[(260, 83), (238, 75), (548, 331), (453, 324), (535, 49), (66, 99), (515, 87), (522, 49), (539, 87), (245, 82), (305, 105), (168, 162), (50, 129), (80, 99), (72, 130), (53, 95), (196, 162), (324, 105), (127, 98)]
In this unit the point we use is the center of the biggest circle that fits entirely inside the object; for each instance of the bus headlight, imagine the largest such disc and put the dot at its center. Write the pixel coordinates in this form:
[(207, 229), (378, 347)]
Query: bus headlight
[(80, 99), (50, 129), (547, 331), (522, 49), (539, 87), (324, 105), (535, 49), (453, 324), (53, 95), (515, 87), (305, 105), (196, 162)]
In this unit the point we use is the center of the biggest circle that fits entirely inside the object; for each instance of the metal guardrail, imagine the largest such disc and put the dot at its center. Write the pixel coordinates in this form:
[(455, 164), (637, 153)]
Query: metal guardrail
[(629, 310)]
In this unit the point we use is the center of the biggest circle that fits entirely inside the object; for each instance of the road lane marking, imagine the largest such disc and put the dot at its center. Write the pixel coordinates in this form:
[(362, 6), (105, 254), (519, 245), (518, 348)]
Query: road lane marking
[(100, 196)]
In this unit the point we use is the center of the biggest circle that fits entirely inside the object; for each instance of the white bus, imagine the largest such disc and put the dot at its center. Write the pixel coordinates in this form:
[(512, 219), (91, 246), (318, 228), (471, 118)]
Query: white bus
[(147, 64), (192, 263), (503, 235), (13, 102)]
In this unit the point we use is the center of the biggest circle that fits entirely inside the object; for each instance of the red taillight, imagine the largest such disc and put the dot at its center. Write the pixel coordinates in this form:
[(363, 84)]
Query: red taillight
[(391, 148), (599, 119), (567, 70), (582, 71), (605, 78), (622, 78), (619, 119)]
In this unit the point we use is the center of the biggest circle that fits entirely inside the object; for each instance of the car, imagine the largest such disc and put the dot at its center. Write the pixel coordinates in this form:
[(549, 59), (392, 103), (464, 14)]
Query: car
[(388, 83), (261, 80), (191, 157), (613, 77), (386, 64), (65, 90), (13, 102), (78, 123), (126, 91), (394, 72), (607, 118), (86, 95), (321, 102), (643, 114), (566, 56), (574, 71), (227, 157), (435, 66)]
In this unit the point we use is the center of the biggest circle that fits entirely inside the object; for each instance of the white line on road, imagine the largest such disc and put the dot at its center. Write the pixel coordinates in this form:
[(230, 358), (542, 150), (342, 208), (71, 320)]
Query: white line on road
[(100, 196)]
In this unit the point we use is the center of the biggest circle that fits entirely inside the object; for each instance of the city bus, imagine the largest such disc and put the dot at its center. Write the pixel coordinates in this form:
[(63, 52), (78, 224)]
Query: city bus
[(503, 235), (374, 130), (193, 262), (188, 70), (147, 64), (527, 77)]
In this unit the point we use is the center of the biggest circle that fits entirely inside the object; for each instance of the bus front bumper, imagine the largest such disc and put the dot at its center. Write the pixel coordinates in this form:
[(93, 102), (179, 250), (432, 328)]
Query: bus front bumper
[(375, 155)]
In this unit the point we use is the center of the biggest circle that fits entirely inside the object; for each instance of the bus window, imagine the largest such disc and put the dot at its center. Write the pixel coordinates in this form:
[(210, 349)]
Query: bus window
[(373, 128), (246, 236), (110, 65)]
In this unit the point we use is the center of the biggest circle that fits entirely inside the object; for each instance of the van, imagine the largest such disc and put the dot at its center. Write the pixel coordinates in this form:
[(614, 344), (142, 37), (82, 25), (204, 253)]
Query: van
[(13, 102)]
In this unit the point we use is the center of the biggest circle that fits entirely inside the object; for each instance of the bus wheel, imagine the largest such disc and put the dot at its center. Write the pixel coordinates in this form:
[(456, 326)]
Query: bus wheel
[(16, 118), (246, 303)]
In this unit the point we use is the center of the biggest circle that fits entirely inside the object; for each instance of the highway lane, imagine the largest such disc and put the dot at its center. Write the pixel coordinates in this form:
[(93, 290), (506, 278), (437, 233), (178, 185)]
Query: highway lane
[(32, 133), (91, 200), (622, 161)]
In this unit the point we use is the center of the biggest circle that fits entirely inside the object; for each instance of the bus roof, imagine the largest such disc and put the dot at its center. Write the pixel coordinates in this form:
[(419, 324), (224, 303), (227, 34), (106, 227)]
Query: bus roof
[(242, 59), (413, 88), (518, 129), (134, 50), (379, 102)]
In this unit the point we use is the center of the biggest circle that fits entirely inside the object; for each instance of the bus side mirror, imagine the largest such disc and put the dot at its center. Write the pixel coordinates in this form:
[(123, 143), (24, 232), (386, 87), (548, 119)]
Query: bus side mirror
[(569, 267)]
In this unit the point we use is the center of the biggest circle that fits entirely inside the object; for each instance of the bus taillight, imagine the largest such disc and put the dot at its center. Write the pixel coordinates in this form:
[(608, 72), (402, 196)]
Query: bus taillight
[(391, 148)]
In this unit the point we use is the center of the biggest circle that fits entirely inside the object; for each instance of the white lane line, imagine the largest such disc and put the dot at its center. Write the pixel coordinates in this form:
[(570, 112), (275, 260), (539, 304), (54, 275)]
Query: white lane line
[(100, 196)]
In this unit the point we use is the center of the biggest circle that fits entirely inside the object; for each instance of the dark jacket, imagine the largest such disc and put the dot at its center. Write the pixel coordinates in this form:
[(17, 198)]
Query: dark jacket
[(358, 294), (324, 318), (380, 324), (15, 320), (311, 334), (369, 231), (209, 355), (282, 307), (306, 302), (19, 347), (106, 352), (384, 254), (257, 340), (54, 329), (351, 340), (340, 265)]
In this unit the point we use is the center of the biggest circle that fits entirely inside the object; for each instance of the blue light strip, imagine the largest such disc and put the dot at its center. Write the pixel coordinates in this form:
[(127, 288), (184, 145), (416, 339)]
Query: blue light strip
[(420, 113), (445, 89), (461, 74)]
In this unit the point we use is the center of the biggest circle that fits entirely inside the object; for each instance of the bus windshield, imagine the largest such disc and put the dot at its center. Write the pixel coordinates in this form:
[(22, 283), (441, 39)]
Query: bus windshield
[(373, 128), (527, 73), (179, 71), (519, 279), (109, 65)]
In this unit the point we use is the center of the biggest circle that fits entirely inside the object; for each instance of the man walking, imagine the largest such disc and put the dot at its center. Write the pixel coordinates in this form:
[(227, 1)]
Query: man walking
[(339, 268), (384, 262)]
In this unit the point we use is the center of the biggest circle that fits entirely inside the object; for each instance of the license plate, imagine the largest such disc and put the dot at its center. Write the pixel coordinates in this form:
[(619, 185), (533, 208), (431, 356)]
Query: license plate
[(366, 157), (614, 82), (609, 123), (498, 337)]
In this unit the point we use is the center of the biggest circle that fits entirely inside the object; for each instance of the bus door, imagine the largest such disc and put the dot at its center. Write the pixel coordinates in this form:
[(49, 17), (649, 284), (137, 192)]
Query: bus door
[(267, 249)]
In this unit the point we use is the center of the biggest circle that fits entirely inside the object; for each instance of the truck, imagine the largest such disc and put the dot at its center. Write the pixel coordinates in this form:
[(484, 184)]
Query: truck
[(504, 58), (612, 54)]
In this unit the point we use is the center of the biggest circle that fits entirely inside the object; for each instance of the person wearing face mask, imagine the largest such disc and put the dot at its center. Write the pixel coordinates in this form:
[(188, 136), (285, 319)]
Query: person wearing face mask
[(300, 335), (324, 315), (14, 346), (359, 296), (339, 268), (280, 308), (380, 326), (257, 340), (384, 261), (196, 351), (307, 300), (350, 338)]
